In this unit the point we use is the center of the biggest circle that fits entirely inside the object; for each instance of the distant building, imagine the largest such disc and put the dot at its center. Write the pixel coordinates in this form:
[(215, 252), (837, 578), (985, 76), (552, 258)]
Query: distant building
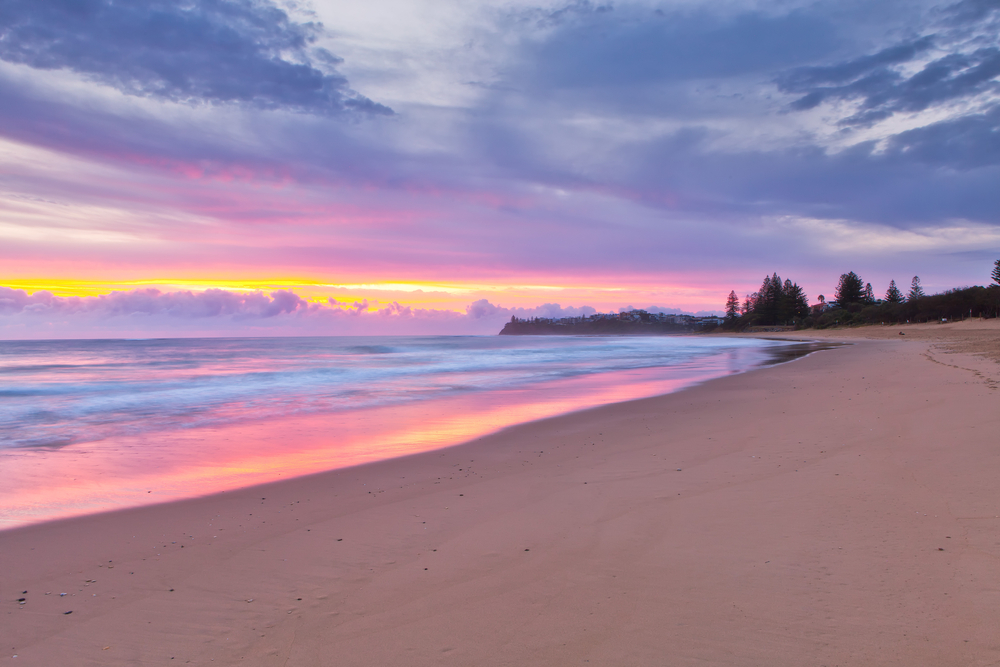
[(821, 307)]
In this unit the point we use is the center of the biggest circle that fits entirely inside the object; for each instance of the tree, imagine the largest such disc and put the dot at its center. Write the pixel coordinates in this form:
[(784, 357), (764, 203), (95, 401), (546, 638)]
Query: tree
[(776, 302), (732, 306), (869, 297), (996, 272), (916, 291), (794, 304), (764, 303), (786, 305), (769, 301), (893, 295), (850, 289)]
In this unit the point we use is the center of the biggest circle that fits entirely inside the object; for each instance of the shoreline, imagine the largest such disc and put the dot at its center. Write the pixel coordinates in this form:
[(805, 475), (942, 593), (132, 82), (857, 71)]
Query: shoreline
[(124, 471), (798, 349), (790, 534)]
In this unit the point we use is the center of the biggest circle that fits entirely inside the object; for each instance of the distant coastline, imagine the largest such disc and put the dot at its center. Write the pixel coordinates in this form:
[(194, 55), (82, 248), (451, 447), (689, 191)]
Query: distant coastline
[(628, 323)]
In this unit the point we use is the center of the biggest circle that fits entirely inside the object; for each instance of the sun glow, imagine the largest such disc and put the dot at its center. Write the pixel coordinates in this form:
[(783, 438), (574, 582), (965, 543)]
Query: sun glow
[(436, 295)]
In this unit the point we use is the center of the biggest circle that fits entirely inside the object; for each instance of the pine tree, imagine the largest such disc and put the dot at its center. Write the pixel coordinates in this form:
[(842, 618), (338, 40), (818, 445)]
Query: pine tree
[(795, 304), (850, 289), (916, 291), (764, 302), (732, 306), (802, 308), (786, 305), (869, 294), (771, 310), (996, 272), (893, 295)]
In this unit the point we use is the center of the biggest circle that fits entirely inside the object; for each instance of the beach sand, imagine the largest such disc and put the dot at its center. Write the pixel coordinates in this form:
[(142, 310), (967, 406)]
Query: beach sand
[(843, 509)]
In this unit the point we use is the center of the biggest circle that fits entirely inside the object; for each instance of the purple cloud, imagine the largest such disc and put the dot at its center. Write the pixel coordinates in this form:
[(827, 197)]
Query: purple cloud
[(184, 305), (152, 313), (218, 51), (600, 145)]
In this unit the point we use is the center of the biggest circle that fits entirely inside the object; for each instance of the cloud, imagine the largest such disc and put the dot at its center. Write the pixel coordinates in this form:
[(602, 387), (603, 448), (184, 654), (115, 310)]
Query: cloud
[(195, 51), (966, 143), (608, 146), (915, 181), (591, 46), (150, 312), (686, 112), (969, 12), (958, 60), (883, 91), (857, 77), (483, 309), (356, 308), (183, 304)]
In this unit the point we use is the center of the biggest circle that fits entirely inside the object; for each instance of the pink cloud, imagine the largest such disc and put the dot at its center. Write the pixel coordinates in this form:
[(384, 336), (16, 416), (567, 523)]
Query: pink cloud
[(483, 309), (215, 312), (149, 301)]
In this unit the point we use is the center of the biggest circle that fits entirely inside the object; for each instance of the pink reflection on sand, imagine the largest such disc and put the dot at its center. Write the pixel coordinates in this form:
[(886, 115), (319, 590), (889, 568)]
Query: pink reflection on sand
[(124, 472)]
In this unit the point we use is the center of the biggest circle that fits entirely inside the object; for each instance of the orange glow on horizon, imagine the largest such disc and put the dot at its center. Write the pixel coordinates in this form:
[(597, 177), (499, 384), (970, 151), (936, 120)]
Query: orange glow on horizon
[(439, 295)]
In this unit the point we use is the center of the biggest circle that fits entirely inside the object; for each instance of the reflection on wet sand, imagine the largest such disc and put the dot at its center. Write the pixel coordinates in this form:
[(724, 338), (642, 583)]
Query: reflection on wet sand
[(127, 471)]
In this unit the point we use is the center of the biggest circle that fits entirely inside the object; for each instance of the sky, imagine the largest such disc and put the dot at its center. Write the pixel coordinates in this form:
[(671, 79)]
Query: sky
[(265, 167)]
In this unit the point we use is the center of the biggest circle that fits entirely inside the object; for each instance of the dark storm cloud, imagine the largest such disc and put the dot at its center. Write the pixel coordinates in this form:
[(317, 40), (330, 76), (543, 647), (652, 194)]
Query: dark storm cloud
[(242, 51)]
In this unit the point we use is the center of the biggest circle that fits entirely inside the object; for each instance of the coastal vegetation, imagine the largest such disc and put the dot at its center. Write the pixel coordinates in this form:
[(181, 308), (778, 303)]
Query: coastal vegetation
[(628, 322), (775, 303), (784, 304)]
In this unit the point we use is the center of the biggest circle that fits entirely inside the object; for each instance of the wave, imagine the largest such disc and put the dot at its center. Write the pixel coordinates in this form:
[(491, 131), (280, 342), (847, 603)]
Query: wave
[(57, 393)]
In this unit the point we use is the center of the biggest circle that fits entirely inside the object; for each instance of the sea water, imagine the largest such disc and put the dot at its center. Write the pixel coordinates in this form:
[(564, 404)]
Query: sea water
[(101, 424)]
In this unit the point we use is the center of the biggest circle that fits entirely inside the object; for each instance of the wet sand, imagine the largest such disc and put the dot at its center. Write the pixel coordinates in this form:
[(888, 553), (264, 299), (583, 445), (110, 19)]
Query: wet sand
[(842, 509)]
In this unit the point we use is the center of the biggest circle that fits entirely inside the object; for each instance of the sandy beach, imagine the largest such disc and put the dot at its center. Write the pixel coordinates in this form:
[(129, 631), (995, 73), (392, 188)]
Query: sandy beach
[(842, 509)]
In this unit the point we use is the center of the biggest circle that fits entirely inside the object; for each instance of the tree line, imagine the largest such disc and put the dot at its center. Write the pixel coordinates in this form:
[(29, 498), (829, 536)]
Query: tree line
[(776, 302), (783, 303)]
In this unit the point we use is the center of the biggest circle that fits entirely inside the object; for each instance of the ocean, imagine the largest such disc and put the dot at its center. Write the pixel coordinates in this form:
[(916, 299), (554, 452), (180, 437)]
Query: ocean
[(92, 425)]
